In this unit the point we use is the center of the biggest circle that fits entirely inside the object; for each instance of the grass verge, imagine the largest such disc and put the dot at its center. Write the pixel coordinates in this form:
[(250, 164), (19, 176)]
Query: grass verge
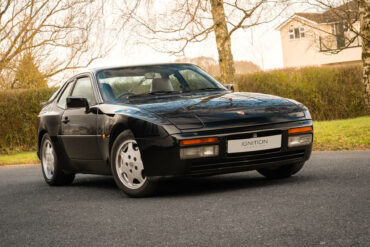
[(348, 134), (19, 158)]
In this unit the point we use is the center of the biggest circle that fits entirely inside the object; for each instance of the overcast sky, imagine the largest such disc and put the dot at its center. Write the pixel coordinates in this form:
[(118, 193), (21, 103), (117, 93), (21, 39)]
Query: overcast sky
[(260, 45)]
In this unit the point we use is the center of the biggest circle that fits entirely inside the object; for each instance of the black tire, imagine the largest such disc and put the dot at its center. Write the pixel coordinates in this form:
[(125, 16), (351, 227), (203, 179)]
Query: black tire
[(58, 177), (282, 171), (147, 188)]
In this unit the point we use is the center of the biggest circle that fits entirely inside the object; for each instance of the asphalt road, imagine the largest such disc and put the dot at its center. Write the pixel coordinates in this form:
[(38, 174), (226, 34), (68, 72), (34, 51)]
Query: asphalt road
[(326, 204)]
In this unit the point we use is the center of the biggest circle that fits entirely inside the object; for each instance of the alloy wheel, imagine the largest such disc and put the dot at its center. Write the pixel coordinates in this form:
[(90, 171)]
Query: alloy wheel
[(48, 159), (129, 165)]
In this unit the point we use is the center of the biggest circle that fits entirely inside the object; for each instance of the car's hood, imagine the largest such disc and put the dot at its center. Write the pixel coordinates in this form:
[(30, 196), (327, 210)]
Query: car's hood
[(228, 109)]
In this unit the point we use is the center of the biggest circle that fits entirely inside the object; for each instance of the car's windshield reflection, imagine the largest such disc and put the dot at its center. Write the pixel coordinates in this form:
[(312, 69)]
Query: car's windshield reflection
[(146, 81)]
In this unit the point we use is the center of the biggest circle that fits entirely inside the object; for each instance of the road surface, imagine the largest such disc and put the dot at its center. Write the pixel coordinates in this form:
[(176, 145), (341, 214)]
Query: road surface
[(326, 204)]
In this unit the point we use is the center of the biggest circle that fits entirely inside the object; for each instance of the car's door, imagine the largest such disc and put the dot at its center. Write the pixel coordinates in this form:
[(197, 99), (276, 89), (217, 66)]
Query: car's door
[(79, 128)]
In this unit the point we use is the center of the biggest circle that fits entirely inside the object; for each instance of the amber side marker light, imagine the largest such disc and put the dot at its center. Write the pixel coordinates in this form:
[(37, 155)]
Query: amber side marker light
[(300, 130), (198, 141)]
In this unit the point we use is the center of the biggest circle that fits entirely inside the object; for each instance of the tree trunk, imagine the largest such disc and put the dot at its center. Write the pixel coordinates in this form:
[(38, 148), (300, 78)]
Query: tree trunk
[(225, 56), (364, 8)]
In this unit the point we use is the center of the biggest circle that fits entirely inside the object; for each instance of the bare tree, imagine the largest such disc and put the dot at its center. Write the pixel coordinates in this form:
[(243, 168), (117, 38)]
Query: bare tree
[(364, 10), (351, 27), (182, 22), (211, 66), (57, 33)]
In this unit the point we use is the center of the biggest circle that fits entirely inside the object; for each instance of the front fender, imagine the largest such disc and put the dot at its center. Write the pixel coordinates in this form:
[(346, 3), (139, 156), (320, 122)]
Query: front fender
[(144, 125)]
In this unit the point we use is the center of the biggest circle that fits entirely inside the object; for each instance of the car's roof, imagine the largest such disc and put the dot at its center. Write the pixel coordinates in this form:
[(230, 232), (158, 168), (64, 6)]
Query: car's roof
[(97, 69), (131, 66)]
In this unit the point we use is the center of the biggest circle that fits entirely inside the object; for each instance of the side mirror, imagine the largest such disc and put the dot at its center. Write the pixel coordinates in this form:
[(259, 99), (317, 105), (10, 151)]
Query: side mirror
[(77, 102), (230, 87)]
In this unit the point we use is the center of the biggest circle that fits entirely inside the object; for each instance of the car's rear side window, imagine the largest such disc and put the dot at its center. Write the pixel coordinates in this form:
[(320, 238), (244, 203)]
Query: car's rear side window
[(63, 98), (55, 94)]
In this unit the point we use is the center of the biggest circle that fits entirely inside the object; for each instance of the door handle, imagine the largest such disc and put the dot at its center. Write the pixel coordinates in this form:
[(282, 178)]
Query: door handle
[(65, 120)]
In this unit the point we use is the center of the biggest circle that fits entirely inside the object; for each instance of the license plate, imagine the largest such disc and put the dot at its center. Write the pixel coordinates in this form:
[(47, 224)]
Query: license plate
[(254, 144)]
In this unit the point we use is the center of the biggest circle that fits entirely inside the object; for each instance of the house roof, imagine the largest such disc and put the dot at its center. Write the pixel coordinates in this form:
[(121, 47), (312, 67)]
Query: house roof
[(343, 12), (315, 17)]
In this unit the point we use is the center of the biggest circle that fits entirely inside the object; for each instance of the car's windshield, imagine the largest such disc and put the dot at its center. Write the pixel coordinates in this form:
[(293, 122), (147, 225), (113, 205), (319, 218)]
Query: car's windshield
[(131, 82)]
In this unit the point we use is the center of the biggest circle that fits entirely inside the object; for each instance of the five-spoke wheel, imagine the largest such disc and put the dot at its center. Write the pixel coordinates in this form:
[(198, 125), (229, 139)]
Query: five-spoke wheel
[(51, 166), (47, 159), (128, 167)]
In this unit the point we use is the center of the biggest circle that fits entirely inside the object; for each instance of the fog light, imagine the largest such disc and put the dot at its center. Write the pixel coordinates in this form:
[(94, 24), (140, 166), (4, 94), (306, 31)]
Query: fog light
[(299, 140), (199, 152)]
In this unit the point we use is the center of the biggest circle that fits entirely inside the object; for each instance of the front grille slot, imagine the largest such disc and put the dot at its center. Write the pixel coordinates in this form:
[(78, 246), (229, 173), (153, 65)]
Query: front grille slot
[(246, 160), (259, 134), (252, 153)]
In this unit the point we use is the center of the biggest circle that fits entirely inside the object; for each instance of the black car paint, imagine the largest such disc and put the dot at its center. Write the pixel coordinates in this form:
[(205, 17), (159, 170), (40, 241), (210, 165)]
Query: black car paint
[(160, 122)]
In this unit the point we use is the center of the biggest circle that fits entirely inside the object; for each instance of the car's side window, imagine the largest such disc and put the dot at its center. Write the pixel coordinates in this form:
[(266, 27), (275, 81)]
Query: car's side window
[(175, 83), (83, 88), (195, 80), (62, 102)]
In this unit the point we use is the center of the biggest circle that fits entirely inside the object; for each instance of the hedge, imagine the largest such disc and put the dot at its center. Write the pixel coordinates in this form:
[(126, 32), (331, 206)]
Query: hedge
[(329, 92), (18, 118)]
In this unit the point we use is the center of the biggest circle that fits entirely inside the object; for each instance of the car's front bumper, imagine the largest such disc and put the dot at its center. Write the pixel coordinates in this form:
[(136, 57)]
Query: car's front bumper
[(161, 156)]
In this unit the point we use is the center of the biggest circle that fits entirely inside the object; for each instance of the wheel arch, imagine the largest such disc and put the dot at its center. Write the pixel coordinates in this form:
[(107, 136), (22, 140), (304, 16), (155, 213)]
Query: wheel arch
[(41, 134), (117, 129)]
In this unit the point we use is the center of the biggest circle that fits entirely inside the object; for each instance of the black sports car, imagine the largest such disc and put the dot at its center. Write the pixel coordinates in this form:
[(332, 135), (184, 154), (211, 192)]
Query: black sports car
[(140, 123)]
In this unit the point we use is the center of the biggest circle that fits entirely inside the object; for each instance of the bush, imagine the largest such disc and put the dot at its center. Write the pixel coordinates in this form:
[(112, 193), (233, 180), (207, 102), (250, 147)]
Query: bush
[(18, 118), (329, 92)]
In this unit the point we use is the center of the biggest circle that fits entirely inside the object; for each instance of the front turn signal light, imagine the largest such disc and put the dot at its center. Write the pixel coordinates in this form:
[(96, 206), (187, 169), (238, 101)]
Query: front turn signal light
[(198, 141), (300, 130)]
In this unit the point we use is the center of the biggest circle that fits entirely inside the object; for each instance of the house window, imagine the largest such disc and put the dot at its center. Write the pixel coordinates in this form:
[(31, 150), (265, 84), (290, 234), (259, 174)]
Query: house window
[(338, 30), (296, 33)]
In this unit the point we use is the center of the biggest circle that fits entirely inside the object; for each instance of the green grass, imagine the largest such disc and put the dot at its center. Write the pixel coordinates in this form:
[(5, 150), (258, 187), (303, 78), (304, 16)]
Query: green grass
[(348, 134), (19, 158)]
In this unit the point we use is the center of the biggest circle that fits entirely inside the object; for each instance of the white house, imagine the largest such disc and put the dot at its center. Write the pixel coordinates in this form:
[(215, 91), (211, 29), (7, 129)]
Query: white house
[(321, 38)]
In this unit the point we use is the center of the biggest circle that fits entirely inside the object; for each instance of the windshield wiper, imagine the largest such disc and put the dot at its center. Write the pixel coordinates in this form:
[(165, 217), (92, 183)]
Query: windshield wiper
[(154, 93), (209, 89), (164, 92)]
